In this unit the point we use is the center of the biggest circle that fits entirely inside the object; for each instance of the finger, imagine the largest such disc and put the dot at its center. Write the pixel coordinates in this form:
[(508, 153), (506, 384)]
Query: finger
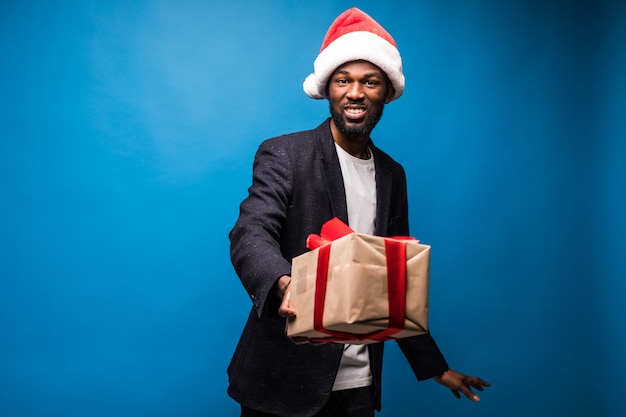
[(476, 381), (482, 386), (474, 385), (470, 394), (479, 383), (456, 394), (285, 310)]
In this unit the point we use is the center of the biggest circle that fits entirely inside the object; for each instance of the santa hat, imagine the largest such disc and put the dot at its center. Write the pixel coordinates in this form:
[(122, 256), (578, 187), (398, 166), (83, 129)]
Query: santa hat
[(355, 36)]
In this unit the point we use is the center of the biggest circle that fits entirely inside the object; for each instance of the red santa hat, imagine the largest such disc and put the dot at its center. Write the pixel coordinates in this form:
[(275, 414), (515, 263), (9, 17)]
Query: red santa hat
[(355, 36)]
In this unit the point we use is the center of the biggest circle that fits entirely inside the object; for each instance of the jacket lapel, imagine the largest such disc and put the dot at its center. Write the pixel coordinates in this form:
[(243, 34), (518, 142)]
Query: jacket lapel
[(332, 172)]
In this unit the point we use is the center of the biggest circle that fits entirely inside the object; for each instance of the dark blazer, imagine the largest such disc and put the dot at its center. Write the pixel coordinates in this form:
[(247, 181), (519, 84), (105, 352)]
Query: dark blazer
[(297, 186)]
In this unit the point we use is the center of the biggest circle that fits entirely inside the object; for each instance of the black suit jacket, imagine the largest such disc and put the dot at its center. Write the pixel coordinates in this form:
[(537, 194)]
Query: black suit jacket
[(297, 186)]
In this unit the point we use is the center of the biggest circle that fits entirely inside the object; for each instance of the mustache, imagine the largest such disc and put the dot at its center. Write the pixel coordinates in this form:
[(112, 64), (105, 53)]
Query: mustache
[(360, 102)]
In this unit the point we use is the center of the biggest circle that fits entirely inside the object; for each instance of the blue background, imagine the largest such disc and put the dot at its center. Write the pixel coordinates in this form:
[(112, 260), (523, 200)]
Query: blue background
[(127, 132)]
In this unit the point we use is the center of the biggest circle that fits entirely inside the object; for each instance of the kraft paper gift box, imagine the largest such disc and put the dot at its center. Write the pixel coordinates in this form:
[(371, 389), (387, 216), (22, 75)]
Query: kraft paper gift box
[(357, 288)]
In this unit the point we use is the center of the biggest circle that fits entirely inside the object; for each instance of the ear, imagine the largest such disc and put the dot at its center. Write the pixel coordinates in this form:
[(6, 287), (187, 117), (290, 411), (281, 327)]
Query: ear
[(390, 92)]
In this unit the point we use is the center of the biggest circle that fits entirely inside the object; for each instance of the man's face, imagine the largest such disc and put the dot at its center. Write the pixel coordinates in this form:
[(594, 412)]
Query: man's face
[(357, 93)]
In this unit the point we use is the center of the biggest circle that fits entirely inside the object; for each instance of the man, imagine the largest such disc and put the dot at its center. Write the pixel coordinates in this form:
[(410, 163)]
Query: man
[(300, 181)]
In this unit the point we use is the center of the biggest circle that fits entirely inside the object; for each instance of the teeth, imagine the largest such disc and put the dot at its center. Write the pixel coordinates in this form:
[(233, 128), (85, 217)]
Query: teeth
[(354, 111)]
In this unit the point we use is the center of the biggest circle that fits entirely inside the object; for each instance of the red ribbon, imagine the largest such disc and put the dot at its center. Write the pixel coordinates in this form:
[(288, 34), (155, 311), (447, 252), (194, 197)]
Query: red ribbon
[(395, 252)]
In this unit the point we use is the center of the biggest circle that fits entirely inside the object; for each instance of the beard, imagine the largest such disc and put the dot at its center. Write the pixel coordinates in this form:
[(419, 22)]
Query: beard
[(363, 129)]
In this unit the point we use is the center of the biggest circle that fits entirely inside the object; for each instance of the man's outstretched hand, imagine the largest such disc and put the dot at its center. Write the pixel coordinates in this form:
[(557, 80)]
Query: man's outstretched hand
[(459, 383)]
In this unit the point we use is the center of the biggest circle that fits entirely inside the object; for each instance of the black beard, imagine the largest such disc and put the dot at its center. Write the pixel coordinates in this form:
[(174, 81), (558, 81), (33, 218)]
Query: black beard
[(356, 131)]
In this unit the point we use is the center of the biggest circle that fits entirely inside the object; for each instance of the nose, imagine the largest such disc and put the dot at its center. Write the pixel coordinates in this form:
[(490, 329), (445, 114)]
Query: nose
[(355, 91)]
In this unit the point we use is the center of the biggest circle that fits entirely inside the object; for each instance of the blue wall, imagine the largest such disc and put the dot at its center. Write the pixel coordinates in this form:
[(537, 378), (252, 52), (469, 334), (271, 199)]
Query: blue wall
[(127, 131)]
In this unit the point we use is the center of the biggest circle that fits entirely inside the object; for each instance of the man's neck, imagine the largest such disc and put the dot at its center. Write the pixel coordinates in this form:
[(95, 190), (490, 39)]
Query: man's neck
[(354, 145)]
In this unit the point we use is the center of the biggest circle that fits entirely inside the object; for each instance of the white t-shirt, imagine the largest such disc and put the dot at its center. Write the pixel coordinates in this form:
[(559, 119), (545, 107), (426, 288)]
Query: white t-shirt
[(359, 178)]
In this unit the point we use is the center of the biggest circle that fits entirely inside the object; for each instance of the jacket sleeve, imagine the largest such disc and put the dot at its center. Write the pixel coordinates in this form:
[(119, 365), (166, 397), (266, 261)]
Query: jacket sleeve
[(421, 351), (255, 239), (423, 355)]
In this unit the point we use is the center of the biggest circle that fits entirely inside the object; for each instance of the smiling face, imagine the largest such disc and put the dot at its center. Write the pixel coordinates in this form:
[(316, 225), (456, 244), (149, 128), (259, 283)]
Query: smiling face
[(357, 93)]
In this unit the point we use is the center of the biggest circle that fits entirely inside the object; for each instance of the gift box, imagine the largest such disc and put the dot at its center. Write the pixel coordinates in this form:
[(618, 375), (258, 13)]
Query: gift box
[(357, 288)]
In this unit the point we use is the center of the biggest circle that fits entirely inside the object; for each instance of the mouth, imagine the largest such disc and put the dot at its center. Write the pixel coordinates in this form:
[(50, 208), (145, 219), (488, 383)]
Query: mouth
[(354, 112)]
